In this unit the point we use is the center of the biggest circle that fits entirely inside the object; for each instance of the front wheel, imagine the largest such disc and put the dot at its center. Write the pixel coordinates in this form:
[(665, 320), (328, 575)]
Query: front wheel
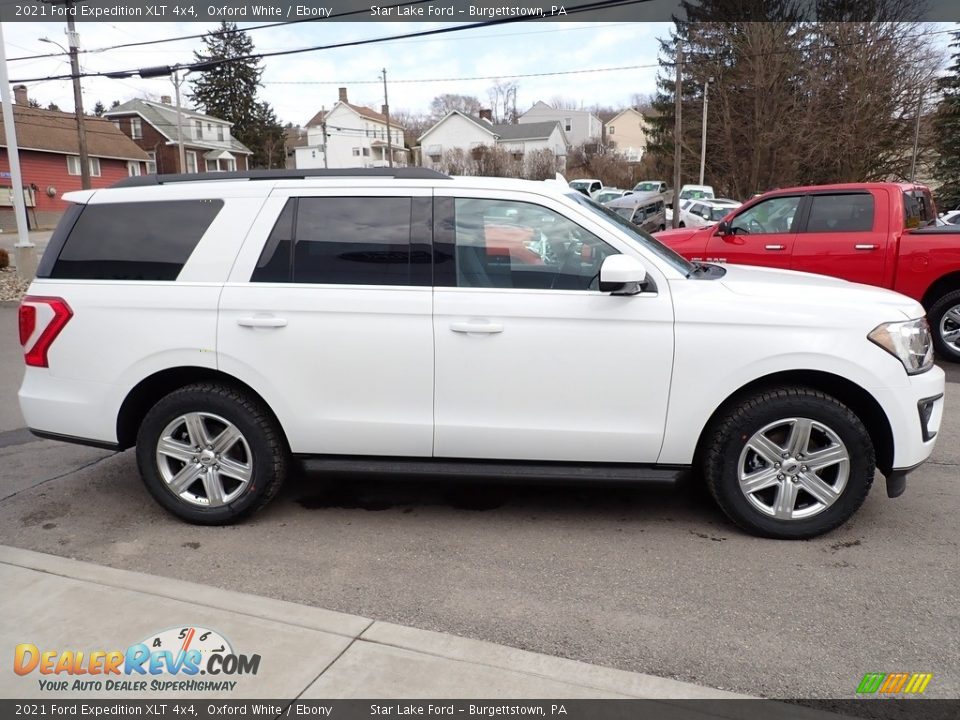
[(789, 463), (944, 319), (210, 454)]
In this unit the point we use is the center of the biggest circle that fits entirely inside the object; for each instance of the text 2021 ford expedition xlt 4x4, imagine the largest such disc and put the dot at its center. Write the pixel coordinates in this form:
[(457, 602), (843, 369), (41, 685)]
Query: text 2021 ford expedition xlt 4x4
[(231, 325)]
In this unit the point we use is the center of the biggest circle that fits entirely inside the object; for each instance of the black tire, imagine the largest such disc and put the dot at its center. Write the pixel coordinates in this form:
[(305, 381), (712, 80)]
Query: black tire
[(681, 224), (264, 451), (936, 317), (729, 436)]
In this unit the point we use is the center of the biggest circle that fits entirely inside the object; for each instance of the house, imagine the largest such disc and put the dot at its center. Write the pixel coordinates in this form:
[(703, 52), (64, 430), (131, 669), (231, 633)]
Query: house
[(580, 126), (356, 136), (293, 137), (49, 152), (626, 134), (208, 143), (461, 131)]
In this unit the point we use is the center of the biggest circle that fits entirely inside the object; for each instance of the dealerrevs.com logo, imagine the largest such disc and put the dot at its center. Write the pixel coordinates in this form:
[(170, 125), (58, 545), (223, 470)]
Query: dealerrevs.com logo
[(894, 683), (170, 660)]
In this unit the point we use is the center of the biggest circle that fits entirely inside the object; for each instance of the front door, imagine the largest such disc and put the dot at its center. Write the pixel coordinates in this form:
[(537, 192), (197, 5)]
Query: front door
[(533, 362), (762, 234)]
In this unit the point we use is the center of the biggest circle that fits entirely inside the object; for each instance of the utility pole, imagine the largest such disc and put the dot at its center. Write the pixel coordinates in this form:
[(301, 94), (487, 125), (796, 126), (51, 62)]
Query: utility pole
[(678, 91), (73, 42), (177, 80), (916, 137), (323, 126), (703, 137), (25, 254), (386, 111)]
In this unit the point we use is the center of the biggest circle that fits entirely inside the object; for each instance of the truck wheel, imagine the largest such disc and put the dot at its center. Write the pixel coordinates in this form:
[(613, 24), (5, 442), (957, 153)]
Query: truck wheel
[(210, 454), (944, 316), (789, 463)]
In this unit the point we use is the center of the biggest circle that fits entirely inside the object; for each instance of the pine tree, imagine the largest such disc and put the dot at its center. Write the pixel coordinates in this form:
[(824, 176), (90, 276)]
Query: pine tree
[(229, 91), (947, 134), (99, 109)]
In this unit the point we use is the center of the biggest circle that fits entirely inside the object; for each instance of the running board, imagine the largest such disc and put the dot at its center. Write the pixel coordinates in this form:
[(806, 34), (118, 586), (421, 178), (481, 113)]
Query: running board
[(495, 470)]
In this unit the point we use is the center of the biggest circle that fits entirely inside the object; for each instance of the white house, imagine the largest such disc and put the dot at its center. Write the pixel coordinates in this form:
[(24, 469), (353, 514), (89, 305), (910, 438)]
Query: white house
[(579, 126), (627, 134), (458, 130), (356, 136)]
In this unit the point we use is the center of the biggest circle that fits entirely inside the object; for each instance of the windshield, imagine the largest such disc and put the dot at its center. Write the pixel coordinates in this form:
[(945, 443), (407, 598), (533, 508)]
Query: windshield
[(718, 214), (647, 187), (696, 195), (579, 184), (636, 234)]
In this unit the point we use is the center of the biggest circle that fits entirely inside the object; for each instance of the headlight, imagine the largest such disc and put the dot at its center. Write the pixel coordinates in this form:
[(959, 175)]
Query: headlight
[(909, 341)]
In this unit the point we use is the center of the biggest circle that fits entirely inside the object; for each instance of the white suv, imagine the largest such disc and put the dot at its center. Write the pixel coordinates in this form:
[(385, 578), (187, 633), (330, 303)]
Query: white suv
[(231, 325)]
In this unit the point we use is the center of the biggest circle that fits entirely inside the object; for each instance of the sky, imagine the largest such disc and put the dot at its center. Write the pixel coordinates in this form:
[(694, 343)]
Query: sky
[(522, 48), (299, 85)]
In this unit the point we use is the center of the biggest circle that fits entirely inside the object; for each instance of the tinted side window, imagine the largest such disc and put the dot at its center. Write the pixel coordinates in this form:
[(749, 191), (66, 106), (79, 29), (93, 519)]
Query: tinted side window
[(276, 259), (353, 241), (841, 213), (775, 215), (134, 241)]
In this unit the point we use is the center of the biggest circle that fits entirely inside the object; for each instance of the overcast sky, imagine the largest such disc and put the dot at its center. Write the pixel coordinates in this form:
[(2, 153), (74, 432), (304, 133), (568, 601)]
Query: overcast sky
[(521, 49)]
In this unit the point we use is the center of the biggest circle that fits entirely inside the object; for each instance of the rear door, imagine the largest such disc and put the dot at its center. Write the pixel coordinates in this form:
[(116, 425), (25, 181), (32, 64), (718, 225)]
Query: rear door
[(844, 235), (330, 319), (763, 234)]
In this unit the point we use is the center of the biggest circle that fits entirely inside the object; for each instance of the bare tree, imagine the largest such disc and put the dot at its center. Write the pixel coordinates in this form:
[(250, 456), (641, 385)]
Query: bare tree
[(456, 162), (558, 102), (540, 164), (442, 104), (503, 101)]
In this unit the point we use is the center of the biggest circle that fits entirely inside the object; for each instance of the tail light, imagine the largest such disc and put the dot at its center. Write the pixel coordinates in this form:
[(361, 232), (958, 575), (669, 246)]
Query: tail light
[(50, 314)]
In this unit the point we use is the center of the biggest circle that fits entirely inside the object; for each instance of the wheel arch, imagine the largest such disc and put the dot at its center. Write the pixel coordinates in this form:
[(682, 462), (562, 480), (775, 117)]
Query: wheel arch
[(940, 287), (145, 394), (860, 401)]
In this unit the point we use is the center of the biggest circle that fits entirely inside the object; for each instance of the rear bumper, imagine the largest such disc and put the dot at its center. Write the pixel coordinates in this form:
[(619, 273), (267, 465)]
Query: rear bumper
[(60, 408)]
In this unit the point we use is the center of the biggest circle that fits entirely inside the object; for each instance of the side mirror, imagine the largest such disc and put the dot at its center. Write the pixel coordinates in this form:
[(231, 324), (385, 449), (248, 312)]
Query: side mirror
[(723, 229), (622, 275)]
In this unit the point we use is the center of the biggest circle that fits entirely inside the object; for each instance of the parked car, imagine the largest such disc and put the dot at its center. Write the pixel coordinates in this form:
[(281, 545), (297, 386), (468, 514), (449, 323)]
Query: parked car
[(696, 192), (590, 188), (703, 213), (875, 233), (951, 218), (645, 211), (650, 186), (608, 194), (352, 319)]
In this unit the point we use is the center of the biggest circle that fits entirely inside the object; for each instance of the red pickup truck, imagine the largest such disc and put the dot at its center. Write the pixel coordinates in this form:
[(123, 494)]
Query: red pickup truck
[(880, 234)]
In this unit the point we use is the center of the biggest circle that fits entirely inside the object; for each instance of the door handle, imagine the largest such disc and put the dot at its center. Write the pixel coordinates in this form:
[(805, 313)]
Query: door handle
[(866, 246), (474, 327), (775, 247), (263, 321)]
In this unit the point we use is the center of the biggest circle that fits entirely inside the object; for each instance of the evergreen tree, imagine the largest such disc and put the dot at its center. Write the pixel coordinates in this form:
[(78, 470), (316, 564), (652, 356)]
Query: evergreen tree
[(115, 104), (53, 106), (99, 109), (947, 134), (229, 91)]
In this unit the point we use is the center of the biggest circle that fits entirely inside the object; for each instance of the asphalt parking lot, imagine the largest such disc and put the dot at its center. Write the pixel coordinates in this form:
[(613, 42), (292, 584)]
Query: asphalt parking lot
[(645, 579)]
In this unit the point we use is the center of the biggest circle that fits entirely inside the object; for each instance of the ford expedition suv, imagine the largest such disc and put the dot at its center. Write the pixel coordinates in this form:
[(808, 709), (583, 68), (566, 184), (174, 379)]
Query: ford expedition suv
[(230, 325), (878, 233)]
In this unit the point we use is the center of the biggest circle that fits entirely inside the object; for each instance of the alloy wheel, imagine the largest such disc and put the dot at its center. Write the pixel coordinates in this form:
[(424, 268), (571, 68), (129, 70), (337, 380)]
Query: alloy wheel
[(950, 327)]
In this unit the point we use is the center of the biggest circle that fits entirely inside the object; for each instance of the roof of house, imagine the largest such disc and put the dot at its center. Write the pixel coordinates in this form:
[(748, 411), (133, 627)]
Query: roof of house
[(541, 105), (503, 131), (164, 118), (54, 131), (360, 110)]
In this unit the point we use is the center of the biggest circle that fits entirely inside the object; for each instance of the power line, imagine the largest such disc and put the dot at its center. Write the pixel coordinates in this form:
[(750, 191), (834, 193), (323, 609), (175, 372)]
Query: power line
[(212, 32), (600, 5)]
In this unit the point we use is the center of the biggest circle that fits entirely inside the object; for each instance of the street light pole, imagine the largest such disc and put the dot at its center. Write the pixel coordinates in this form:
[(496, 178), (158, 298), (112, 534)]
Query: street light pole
[(916, 137), (73, 43), (25, 254), (703, 136), (677, 135), (177, 81)]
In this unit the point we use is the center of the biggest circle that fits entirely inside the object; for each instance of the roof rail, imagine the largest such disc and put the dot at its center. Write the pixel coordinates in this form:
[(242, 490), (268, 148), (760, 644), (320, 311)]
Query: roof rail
[(405, 173)]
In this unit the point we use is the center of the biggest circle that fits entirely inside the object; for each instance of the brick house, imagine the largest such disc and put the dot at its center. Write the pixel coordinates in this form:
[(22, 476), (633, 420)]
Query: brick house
[(209, 145), (50, 160)]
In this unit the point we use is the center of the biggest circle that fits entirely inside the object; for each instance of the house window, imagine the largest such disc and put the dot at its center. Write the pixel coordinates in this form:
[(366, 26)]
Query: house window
[(133, 168), (356, 152), (222, 165), (198, 128), (136, 128), (191, 161), (612, 129), (152, 163), (219, 132), (210, 129), (73, 166), (568, 124), (366, 152)]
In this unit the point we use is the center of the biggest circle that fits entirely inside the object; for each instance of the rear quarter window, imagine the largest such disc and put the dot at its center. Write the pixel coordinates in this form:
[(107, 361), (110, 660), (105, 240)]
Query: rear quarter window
[(129, 241)]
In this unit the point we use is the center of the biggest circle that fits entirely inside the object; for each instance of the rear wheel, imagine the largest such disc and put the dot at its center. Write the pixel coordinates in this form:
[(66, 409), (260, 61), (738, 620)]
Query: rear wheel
[(210, 454), (944, 319), (789, 463)]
